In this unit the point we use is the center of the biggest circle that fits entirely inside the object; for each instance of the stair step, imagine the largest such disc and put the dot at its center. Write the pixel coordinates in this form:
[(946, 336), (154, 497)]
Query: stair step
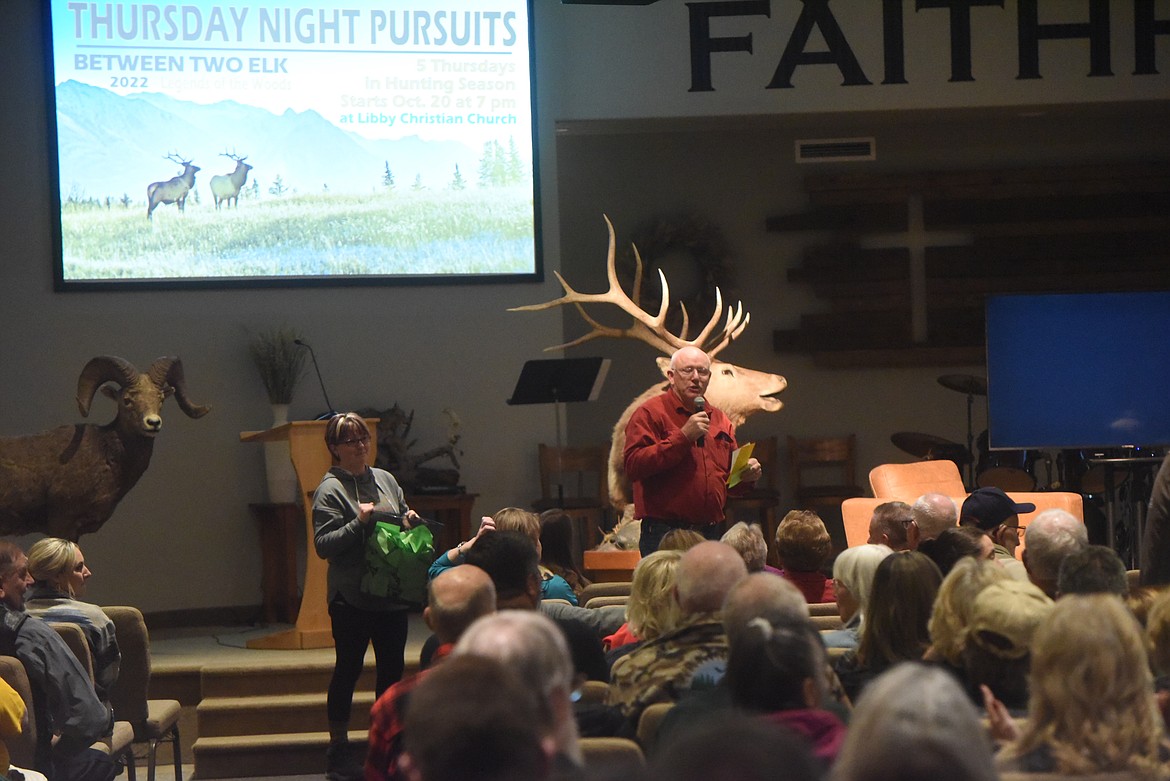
[(287, 713), (283, 754), (240, 681)]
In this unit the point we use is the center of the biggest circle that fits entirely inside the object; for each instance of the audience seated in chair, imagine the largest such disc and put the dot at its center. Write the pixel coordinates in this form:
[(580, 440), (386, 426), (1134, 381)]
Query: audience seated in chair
[(694, 654), (904, 587), (997, 651), (455, 599), (1094, 569), (992, 511), (852, 580), (1091, 707), (681, 540), (759, 595), (775, 669), (59, 573), (748, 541), (71, 718), (914, 723), (892, 524), (950, 616), (510, 519), (557, 549), (511, 560), (651, 610), (803, 547), (737, 747), (531, 645), (933, 514), (957, 543), (475, 718), (1052, 535)]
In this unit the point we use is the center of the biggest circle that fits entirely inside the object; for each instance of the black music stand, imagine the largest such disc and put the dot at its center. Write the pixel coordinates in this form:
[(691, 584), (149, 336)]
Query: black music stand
[(557, 382)]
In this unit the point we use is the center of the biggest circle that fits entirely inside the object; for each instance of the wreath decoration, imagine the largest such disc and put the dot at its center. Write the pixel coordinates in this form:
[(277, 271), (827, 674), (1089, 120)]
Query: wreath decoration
[(688, 234)]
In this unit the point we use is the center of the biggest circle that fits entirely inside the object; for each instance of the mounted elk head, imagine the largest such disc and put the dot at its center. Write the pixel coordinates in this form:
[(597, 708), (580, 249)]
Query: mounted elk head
[(737, 391)]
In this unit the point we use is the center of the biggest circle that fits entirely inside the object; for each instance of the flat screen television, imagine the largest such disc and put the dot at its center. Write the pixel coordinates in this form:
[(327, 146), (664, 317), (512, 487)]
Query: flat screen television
[(1083, 370), (213, 144)]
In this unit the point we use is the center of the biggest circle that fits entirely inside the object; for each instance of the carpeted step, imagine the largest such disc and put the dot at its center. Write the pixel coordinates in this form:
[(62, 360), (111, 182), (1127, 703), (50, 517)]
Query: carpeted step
[(241, 681), (224, 716), (286, 754)]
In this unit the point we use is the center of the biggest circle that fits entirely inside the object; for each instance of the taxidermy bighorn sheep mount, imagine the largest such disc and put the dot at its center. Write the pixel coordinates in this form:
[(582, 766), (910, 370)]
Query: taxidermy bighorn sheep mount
[(737, 391), (66, 482)]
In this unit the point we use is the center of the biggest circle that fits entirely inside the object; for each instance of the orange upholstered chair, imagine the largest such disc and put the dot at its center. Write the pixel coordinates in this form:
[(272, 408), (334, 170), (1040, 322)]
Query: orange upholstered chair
[(906, 482), (894, 481)]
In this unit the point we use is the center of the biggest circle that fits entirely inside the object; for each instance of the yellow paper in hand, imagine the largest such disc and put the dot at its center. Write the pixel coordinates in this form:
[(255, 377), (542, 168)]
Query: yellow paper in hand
[(739, 462)]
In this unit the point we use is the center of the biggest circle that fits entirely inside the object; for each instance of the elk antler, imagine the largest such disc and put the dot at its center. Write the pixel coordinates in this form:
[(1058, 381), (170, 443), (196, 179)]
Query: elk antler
[(647, 328)]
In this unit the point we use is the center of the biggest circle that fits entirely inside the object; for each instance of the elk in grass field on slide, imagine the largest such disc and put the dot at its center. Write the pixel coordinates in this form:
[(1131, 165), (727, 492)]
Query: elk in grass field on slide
[(173, 190), (737, 391), (227, 188)]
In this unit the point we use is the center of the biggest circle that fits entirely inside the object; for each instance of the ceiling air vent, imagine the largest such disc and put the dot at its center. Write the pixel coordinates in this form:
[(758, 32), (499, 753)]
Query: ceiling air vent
[(835, 150)]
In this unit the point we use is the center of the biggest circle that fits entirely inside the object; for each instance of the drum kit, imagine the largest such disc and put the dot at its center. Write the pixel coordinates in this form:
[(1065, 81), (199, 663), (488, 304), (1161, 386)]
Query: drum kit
[(1080, 471)]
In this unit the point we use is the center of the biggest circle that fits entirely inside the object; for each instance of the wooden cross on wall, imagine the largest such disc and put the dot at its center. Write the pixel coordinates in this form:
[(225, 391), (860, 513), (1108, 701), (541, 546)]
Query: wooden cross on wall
[(916, 239)]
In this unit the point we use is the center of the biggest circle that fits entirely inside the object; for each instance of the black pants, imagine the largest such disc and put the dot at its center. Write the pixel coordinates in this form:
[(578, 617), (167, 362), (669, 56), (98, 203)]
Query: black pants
[(654, 531), (353, 631)]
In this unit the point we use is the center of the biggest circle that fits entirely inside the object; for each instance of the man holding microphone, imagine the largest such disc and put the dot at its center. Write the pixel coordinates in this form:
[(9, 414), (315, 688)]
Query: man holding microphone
[(678, 455)]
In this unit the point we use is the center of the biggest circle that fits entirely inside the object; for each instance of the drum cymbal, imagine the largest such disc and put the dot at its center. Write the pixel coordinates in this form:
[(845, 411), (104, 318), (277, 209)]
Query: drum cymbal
[(964, 383), (930, 447)]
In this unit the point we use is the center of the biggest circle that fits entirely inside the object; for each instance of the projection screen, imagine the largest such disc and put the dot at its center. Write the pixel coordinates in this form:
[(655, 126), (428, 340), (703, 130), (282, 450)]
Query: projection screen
[(210, 144)]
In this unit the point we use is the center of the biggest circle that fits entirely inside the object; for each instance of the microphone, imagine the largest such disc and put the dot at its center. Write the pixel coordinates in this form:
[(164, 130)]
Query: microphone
[(700, 406), (325, 393)]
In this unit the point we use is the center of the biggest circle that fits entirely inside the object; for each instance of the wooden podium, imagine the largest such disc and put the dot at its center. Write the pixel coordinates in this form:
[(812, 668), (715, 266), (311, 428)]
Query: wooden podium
[(311, 460)]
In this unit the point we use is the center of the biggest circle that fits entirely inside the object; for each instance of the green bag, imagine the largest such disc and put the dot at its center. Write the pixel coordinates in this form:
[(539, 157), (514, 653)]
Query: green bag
[(397, 561)]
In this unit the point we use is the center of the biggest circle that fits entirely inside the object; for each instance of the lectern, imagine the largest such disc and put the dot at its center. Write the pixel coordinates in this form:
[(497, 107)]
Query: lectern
[(311, 460)]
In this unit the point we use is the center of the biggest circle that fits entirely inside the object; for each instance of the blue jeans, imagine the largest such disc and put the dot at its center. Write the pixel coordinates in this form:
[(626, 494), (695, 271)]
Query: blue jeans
[(654, 531)]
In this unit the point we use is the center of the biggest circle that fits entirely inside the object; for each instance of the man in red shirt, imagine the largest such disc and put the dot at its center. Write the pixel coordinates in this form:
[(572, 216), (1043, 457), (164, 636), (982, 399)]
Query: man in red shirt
[(678, 456), (456, 598)]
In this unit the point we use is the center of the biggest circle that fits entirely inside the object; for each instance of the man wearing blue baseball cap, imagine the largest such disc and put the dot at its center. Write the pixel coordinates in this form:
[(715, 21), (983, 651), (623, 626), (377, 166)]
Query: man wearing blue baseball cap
[(995, 513)]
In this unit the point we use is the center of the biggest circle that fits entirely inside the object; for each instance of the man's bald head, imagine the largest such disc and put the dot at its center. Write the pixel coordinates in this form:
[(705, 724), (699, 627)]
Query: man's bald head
[(934, 514), (705, 576), (455, 598), (761, 595)]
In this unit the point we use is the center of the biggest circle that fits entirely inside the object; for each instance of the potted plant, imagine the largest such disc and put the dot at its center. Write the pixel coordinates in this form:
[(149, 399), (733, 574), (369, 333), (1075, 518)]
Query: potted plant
[(281, 363)]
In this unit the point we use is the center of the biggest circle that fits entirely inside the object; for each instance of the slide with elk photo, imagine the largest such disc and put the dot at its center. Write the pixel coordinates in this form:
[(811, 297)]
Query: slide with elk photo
[(255, 143)]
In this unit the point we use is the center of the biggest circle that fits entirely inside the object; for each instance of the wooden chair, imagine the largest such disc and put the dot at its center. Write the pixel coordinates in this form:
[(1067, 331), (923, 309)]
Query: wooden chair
[(823, 609), (612, 757), (764, 498), (596, 602), (818, 455), (153, 721), (574, 479)]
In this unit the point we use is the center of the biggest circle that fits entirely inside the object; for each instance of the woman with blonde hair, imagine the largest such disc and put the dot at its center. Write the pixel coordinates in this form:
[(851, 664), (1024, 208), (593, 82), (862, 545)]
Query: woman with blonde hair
[(651, 610), (1092, 707), (952, 607), (60, 574)]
